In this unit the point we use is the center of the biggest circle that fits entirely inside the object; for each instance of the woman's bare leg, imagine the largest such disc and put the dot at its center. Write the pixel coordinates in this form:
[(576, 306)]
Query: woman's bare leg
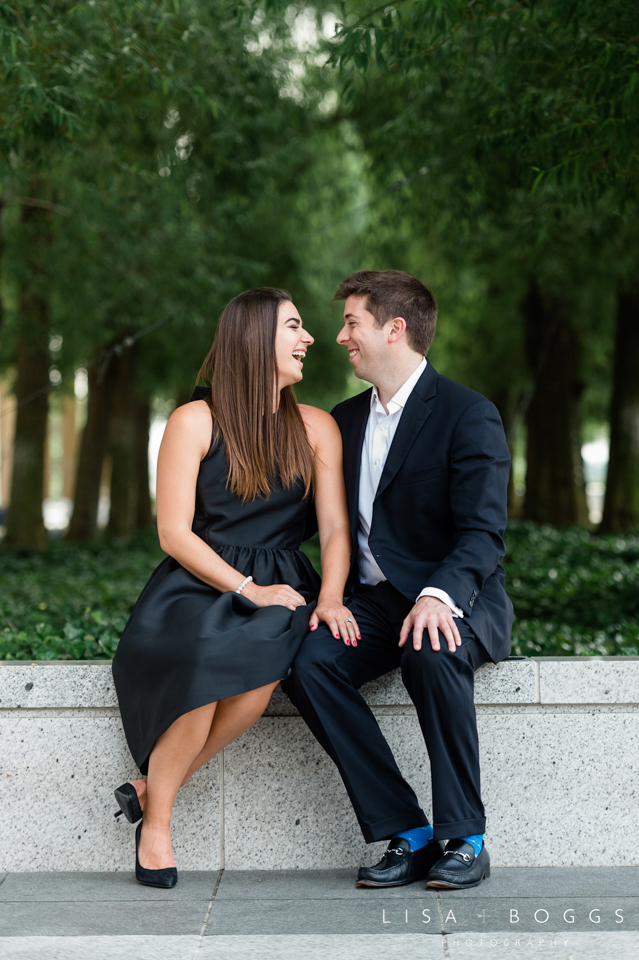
[(171, 757), (233, 716), (140, 789)]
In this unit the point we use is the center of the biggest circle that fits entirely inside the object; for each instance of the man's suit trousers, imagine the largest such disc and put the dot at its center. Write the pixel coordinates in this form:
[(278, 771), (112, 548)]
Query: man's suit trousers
[(324, 686)]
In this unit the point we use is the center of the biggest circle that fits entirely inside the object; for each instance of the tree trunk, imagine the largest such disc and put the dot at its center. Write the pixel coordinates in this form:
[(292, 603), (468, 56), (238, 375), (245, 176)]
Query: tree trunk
[(621, 503), (84, 520), (144, 517), (3, 204), (7, 430), (555, 490), (122, 443), (505, 401), (25, 524), (69, 446)]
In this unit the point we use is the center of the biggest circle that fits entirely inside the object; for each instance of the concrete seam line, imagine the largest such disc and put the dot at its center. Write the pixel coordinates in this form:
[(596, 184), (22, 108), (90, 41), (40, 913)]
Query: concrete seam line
[(537, 681), (221, 806), (208, 912), (441, 915)]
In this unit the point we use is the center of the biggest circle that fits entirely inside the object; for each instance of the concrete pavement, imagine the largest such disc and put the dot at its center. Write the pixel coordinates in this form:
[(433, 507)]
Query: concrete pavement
[(559, 914)]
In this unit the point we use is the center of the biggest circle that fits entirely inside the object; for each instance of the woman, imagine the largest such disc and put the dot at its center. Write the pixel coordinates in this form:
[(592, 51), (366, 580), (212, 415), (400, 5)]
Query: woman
[(221, 619)]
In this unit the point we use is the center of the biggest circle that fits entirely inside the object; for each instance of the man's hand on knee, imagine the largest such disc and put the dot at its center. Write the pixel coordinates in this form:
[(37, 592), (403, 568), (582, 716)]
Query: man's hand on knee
[(432, 615)]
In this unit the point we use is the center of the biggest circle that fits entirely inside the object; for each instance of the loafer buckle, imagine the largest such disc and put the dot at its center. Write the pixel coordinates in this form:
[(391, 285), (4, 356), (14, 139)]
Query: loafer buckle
[(458, 853)]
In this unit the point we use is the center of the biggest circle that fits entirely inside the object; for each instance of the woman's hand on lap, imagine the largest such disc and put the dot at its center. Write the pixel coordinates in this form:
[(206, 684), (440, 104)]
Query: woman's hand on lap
[(278, 594), (338, 619)]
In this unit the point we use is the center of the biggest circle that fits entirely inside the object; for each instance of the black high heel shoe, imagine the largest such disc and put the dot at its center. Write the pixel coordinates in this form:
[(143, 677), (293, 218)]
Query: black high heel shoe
[(167, 877), (128, 802)]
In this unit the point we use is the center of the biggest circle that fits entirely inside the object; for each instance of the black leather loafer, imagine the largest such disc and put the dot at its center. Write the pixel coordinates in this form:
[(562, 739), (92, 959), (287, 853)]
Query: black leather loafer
[(400, 864), (459, 867)]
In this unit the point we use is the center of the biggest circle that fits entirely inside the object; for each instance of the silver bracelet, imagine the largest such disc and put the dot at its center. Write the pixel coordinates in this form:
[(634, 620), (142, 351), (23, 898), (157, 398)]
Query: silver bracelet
[(243, 584)]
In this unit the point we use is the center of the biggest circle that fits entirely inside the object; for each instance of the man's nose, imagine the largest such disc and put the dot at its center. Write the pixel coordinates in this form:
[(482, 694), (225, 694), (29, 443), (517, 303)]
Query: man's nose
[(342, 336)]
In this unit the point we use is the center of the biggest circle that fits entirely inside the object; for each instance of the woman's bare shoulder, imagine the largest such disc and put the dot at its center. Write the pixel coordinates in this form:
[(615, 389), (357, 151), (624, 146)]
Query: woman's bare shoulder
[(316, 417), (320, 425), (196, 411), (191, 424)]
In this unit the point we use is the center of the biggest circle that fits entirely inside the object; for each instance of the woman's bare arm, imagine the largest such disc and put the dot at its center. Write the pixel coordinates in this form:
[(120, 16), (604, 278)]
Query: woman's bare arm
[(332, 522)]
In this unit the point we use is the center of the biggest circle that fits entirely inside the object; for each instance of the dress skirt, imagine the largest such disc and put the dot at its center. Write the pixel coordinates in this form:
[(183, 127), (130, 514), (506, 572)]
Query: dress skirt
[(187, 645)]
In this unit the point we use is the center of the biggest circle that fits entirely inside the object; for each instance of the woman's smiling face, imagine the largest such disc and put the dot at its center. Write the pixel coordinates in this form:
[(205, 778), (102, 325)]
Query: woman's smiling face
[(291, 344)]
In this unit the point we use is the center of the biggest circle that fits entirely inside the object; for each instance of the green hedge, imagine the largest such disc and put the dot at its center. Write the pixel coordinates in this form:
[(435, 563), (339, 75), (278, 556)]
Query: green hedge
[(574, 593), (72, 603)]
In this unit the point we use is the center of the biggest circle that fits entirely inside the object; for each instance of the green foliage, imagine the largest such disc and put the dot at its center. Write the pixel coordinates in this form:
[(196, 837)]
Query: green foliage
[(186, 150), (517, 126), (182, 154), (555, 84), (73, 603), (574, 594)]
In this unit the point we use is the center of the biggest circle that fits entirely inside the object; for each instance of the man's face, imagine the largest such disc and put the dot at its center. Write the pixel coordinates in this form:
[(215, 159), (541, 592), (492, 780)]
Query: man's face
[(367, 344)]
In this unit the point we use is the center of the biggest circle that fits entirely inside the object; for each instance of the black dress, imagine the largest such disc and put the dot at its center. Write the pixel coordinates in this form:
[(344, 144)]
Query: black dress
[(186, 644)]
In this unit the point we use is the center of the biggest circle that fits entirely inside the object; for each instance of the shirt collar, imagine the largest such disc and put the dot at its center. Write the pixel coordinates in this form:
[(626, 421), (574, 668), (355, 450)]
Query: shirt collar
[(398, 402)]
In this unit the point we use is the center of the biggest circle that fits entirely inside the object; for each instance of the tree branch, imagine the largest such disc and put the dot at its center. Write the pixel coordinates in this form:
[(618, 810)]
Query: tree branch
[(371, 13), (42, 204)]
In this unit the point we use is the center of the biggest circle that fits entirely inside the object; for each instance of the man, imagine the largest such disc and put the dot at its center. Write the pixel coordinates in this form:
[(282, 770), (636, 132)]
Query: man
[(426, 466)]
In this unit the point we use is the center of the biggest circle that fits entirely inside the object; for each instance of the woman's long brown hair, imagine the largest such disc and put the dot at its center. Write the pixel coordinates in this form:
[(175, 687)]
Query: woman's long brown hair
[(241, 370)]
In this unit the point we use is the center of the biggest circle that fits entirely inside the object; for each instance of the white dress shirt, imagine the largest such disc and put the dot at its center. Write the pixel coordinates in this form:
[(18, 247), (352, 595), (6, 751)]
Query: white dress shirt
[(380, 431)]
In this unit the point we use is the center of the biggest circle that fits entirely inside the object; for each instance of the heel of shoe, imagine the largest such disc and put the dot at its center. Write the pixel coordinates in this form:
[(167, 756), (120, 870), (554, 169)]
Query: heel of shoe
[(487, 872), (127, 800)]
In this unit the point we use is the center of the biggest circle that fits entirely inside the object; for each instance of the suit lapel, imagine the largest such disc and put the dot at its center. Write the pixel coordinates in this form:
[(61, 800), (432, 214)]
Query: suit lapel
[(414, 415), (353, 443)]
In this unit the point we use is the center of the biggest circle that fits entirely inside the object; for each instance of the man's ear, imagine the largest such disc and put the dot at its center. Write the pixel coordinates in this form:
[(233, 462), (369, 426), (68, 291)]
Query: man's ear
[(396, 329)]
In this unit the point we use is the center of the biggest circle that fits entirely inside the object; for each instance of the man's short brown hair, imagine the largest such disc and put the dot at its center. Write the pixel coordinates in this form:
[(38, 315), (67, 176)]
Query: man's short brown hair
[(393, 293)]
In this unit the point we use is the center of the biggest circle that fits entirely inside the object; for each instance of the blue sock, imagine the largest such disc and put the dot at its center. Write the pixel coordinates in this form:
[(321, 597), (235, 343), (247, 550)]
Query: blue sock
[(476, 840), (418, 837)]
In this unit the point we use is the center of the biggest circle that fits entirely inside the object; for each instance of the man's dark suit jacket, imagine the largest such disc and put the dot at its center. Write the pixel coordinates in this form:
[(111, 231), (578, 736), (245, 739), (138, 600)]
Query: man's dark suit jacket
[(439, 514)]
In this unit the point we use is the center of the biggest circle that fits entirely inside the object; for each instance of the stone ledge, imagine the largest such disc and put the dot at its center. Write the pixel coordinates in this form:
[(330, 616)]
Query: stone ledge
[(512, 681), (540, 680), (555, 738), (588, 679), (56, 683)]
